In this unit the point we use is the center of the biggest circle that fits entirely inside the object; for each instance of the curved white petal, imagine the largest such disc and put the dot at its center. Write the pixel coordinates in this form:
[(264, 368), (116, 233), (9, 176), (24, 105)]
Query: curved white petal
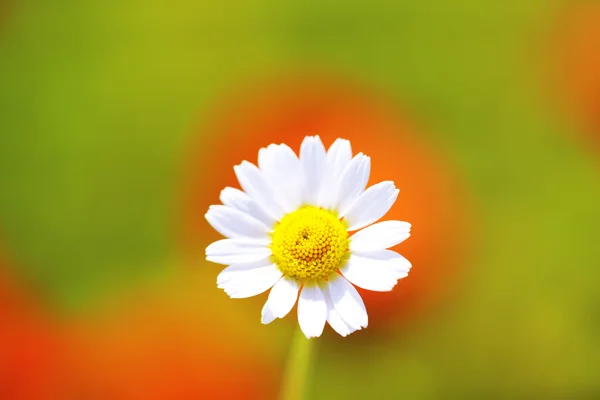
[(379, 236), (377, 271), (347, 302), (235, 198), (371, 205), (255, 185), (338, 157), (251, 282), (312, 311), (281, 299), (233, 223), (235, 251), (399, 263), (352, 182), (283, 171), (266, 315), (233, 271), (336, 322), (333, 316), (312, 158)]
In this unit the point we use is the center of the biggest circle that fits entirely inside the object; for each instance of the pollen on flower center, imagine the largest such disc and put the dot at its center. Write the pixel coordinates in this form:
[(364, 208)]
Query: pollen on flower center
[(310, 243)]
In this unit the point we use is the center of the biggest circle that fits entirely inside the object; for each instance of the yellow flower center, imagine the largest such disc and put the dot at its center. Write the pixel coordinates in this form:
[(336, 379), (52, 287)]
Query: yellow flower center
[(310, 243)]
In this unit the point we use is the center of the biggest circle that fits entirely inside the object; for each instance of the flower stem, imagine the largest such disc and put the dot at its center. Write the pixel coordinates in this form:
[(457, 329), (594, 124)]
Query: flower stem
[(297, 368)]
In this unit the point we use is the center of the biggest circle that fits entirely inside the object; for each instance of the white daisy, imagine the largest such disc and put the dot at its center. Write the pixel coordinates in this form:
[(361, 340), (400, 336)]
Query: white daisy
[(288, 231)]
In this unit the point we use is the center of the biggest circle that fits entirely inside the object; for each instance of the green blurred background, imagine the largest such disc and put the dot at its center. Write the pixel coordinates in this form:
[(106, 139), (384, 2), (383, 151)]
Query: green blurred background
[(99, 102)]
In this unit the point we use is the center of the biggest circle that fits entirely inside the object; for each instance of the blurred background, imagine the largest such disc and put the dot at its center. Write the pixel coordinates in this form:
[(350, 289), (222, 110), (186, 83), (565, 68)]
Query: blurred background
[(120, 122)]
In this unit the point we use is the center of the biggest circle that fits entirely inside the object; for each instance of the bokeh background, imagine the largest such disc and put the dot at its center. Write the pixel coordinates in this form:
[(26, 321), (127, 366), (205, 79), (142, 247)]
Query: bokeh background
[(120, 122)]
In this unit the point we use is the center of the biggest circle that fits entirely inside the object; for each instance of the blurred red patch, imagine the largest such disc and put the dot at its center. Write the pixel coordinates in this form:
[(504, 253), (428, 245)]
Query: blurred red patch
[(286, 112), (31, 348), (577, 47), (147, 348), (157, 349)]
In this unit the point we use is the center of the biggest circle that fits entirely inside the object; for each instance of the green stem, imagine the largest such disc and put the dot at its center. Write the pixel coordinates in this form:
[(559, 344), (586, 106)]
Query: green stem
[(297, 367)]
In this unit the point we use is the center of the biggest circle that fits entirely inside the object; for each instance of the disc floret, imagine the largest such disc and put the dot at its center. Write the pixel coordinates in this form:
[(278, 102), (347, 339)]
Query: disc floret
[(310, 244)]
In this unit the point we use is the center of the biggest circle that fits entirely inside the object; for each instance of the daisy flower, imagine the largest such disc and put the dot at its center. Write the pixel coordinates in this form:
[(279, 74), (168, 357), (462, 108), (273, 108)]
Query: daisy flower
[(290, 230)]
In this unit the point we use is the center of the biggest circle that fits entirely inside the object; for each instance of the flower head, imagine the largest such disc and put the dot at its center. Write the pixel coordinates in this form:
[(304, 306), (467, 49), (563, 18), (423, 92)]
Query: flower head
[(289, 230)]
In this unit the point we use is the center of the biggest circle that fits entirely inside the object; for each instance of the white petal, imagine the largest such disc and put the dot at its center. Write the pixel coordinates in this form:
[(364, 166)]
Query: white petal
[(283, 172), (338, 157), (336, 322), (232, 271), (348, 302), (235, 198), (312, 311), (400, 264), (248, 283), (281, 299), (312, 157), (352, 182), (333, 316), (233, 223), (377, 271), (267, 316), (255, 185), (235, 251), (371, 205), (379, 236)]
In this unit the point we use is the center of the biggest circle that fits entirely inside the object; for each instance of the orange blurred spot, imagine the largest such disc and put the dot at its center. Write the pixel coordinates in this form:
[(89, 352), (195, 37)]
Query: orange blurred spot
[(285, 112), (31, 348), (148, 348), (158, 348), (577, 40)]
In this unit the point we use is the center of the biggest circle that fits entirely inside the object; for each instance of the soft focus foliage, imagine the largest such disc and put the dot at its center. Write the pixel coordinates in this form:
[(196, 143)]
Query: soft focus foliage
[(121, 120)]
